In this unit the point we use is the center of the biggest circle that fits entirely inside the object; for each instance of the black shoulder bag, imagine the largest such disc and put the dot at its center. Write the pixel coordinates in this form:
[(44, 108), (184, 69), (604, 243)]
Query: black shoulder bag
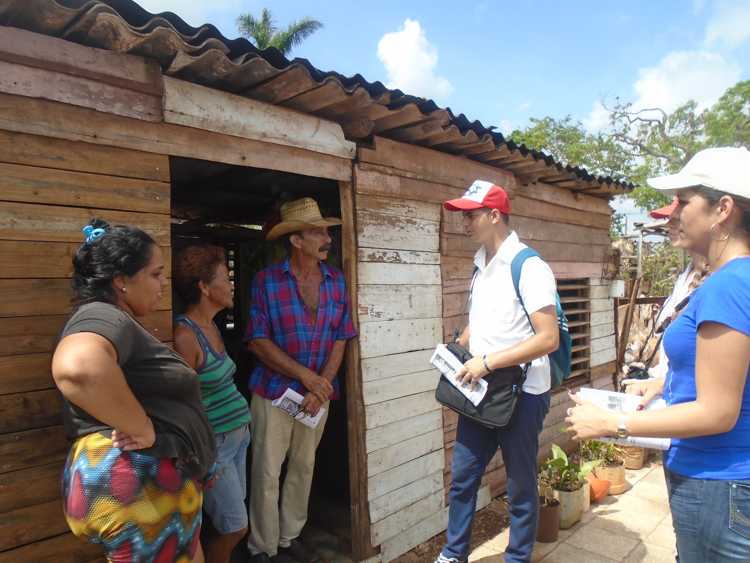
[(504, 387)]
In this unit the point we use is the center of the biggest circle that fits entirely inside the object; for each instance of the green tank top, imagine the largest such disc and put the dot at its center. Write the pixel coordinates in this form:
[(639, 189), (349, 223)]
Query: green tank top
[(226, 408)]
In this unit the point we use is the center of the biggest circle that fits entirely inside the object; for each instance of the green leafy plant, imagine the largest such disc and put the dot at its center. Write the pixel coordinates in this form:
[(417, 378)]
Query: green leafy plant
[(604, 452), (562, 473), (546, 492)]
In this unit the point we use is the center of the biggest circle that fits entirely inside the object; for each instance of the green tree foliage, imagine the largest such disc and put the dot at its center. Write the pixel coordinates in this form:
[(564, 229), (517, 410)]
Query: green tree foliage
[(662, 263), (264, 32), (641, 143), (728, 122)]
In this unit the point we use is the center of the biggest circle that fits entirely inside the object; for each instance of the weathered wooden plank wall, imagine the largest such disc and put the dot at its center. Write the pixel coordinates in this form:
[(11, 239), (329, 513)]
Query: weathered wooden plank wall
[(84, 133), (402, 303), (414, 270), (50, 189), (399, 304)]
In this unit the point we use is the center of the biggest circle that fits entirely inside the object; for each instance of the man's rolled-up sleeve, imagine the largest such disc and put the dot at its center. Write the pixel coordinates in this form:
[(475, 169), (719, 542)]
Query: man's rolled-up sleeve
[(259, 323)]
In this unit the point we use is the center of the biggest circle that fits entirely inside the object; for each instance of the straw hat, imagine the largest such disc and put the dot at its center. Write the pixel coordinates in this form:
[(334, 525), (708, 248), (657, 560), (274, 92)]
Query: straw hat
[(299, 215)]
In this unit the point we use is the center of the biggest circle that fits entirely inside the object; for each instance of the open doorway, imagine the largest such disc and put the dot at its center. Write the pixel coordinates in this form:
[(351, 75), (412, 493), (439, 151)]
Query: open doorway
[(228, 206)]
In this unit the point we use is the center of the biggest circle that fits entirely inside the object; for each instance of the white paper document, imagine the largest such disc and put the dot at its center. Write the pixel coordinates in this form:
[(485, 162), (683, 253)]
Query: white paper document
[(624, 403), (449, 365), (291, 403)]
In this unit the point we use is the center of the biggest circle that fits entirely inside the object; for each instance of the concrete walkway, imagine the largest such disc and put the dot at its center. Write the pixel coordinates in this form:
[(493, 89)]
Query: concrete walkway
[(635, 527)]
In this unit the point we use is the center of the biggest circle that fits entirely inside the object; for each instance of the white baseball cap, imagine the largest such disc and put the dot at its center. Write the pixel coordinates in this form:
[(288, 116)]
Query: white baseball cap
[(725, 169)]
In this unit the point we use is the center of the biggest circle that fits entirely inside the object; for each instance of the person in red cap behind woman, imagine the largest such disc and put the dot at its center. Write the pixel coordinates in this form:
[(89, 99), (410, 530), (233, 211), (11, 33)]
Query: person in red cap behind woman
[(500, 334), (686, 282)]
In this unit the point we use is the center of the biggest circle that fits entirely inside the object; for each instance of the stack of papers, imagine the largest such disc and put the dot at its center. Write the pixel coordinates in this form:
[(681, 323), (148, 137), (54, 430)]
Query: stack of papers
[(624, 403), (291, 403), (449, 365)]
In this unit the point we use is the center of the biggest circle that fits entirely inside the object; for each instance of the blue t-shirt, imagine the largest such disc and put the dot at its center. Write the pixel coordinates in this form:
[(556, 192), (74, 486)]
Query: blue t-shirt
[(723, 298)]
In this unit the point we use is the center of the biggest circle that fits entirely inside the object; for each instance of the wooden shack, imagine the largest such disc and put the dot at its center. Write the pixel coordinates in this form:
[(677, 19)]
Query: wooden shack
[(109, 111)]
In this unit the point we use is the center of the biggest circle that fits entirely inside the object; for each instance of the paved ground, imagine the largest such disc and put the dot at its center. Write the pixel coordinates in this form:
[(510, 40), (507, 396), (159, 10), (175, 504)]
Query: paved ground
[(634, 527)]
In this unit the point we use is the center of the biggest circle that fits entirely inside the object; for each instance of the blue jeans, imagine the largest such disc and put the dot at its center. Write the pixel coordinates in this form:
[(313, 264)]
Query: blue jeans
[(224, 502), (475, 447), (711, 519)]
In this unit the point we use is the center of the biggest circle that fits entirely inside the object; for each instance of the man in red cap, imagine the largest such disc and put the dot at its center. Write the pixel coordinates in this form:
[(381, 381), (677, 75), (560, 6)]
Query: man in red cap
[(501, 334), (666, 211)]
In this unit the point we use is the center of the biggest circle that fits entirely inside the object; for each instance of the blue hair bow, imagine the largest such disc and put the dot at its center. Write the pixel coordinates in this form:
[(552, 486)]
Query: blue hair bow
[(91, 233)]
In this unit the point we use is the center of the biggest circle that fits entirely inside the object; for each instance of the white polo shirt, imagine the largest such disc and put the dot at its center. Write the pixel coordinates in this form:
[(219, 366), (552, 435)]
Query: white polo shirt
[(679, 293), (496, 318)]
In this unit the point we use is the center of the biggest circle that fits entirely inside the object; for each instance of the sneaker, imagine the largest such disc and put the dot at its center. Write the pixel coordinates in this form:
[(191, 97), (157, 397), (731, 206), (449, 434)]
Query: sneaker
[(443, 559), (299, 552)]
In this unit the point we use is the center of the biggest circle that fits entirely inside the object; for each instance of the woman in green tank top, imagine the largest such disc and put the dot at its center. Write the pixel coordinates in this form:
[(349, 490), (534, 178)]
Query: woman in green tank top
[(202, 279)]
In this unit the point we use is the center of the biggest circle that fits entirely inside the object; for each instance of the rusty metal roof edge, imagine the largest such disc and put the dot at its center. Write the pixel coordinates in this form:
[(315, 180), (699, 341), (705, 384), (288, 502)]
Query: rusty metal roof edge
[(139, 20)]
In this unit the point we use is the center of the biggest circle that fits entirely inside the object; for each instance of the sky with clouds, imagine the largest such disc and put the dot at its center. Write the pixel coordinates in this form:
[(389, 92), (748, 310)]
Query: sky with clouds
[(504, 61)]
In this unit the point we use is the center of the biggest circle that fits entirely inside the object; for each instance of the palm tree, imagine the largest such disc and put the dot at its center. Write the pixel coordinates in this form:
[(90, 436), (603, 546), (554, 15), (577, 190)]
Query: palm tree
[(265, 33)]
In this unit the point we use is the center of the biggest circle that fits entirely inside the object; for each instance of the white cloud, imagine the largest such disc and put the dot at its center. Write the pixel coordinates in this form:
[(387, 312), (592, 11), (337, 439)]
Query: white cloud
[(525, 106), (506, 127), (680, 76), (597, 119), (411, 60), (730, 25), (199, 13)]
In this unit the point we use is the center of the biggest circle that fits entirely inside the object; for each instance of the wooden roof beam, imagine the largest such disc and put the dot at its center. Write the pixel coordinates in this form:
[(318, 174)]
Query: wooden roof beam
[(449, 134), (316, 99), (283, 86), (415, 133), (468, 149), (351, 107), (407, 115)]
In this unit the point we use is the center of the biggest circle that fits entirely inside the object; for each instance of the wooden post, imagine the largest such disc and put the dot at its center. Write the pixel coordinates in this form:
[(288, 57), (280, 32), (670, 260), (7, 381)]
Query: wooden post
[(360, 514), (616, 311), (623, 340)]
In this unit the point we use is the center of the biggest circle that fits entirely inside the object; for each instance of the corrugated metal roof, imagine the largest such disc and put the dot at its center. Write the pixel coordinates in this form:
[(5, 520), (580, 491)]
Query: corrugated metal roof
[(204, 56)]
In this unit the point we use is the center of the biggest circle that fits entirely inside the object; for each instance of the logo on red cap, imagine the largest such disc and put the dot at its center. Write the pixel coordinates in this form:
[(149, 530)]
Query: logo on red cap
[(481, 194)]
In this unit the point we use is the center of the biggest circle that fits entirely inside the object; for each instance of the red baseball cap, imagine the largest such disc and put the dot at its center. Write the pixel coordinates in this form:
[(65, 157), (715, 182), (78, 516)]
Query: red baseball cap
[(666, 211), (481, 194)]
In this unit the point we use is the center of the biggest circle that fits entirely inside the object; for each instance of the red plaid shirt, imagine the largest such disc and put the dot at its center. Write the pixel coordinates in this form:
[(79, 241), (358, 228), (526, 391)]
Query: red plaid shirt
[(278, 313)]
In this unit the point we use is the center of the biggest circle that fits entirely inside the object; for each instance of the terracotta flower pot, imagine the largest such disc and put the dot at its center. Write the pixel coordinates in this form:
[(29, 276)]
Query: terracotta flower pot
[(549, 522), (599, 488), (615, 475), (635, 457), (571, 507)]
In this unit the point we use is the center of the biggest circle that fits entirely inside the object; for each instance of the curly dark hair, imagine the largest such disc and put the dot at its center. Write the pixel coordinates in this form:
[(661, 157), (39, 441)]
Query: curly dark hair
[(194, 264), (121, 251)]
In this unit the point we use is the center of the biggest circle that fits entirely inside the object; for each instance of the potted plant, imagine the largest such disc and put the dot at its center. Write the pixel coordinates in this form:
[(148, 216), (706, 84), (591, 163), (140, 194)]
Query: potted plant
[(567, 480), (549, 507), (591, 451), (634, 457), (612, 468)]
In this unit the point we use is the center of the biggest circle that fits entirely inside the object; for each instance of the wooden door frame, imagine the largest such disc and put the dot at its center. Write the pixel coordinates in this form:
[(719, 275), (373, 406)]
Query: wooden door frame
[(359, 507)]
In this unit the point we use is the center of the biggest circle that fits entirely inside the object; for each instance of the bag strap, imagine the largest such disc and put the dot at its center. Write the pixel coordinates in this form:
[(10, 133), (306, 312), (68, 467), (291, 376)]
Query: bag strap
[(516, 266), (650, 360), (662, 329)]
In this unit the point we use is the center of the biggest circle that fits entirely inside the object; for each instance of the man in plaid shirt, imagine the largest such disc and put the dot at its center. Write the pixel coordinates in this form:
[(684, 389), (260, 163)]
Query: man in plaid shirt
[(300, 320)]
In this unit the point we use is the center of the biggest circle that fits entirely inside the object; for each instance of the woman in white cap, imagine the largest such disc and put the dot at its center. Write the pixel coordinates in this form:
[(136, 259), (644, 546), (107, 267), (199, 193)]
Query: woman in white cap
[(708, 417)]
